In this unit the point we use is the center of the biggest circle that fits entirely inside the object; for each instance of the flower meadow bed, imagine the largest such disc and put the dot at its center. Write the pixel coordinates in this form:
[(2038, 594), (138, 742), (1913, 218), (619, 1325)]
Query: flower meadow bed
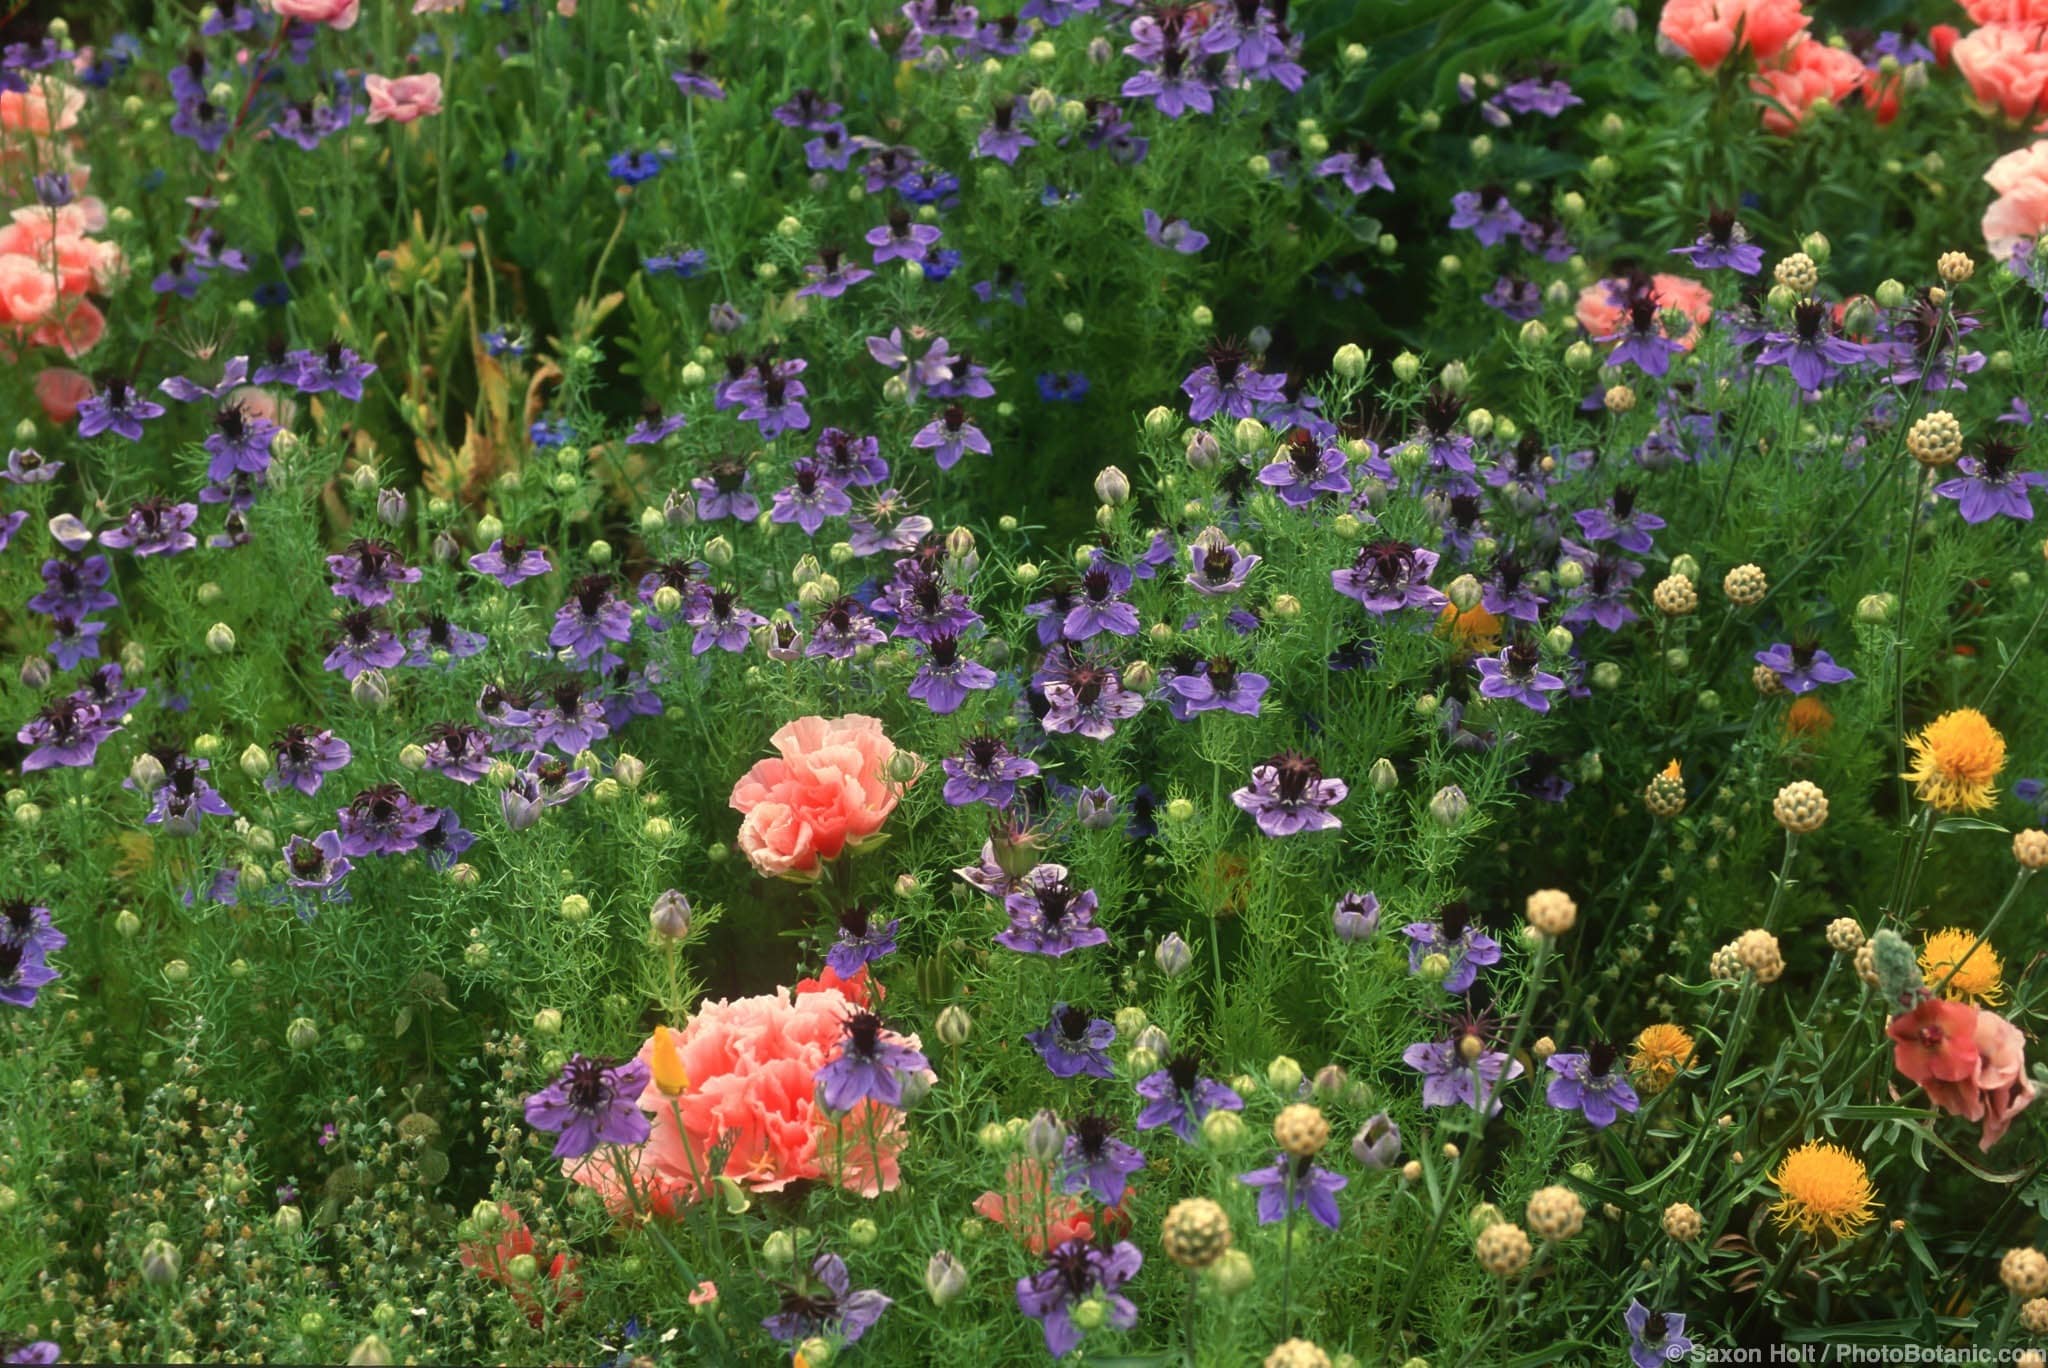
[(711, 683)]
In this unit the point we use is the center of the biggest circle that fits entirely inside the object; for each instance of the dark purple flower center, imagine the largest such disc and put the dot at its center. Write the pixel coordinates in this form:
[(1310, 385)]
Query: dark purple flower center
[(1600, 1060), (853, 921), (1453, 919), (983, 751), (863, 1035), (10, 960), (1092, 1132), (1721, 227), (592, 593), (1073, 1024), (20, 916), (587, 1083), (307, 859), (1296, 775), (1807, 317), (1185, 1071)]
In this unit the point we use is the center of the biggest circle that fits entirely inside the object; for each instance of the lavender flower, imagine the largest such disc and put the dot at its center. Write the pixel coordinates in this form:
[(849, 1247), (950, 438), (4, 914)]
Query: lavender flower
[(595, 1102), (154, 527), (1216, 566), (822, 1302), (1180, 1097), (842, 629), (1642, 339), (1288, 795), (1099, 606), (1075, 1043), (809, 498), (332, 370), (545, 782), (67, 733), (950, 436), (365, 571), (902, 238), (852, 462), (239, 444), (1089, 702), (437, 642), (317, 866), (73, 587), (23, 974), (26, 465), (1620, 522), (1294, 1183), (860, 940), (945, 677), (1048, 917), (1450, 1078), (571, 720), (305, 756), (1602, 597), (832, 274), (1378, 1142), (1587, 1084), (1229, 385), (1002, 139), (1802, 666), (1304, 469), (1175, 235), (1074, 1272), (184, 799), (869, 1067), (1453, 936), (1813, 351), (362, 643), (1360, 169), (1487, 213), (722, 621), (1219, 686), (116, 407), (1095, 1161)]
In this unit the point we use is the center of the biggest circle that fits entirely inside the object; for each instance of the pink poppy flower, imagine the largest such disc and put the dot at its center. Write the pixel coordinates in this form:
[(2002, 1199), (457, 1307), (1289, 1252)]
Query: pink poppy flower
[(403, 99)]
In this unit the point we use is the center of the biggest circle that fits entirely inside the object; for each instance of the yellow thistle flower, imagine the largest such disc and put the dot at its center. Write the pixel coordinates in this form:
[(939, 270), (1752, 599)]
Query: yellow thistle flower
[(1662, 1053), (667, 1064), (1822, 1187), (1977, 975), (1955, 758)]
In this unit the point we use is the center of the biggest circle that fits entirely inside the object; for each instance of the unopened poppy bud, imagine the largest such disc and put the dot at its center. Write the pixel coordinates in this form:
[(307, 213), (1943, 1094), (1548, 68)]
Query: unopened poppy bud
[(547, 1021), (220, 638), (1222, 1130), (1283, 1074), (302, 1033), (1449, 805), (1407, 366), (1464, 592), (255, 761), (1179, 810), (1130, 1021), (1112, 486), (1286, 607), (1349, 361), (1251, 435), (411, 755), (718, 552), (160, 1263), (1044, 1137)]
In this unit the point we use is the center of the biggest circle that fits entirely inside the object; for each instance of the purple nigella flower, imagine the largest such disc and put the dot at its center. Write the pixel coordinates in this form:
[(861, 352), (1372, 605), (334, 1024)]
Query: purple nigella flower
[(1360, 169), (1356, 916), (1813, 352), (830, 151), (1075, 1043), (382, 820), (1449, 1079), (154, 527), (67, 733), (444, 842), (26, 465), (333, 370), (365, 571), (1535, 95), (950, 436), (595, 1102), (1506, 593), (843, 628), (571, 720), (74, 587), (1002, 139), (1587, 1083), (822, 1303), (74, 640), (1723, 245), (860, 940), (655, 427), (1487, 213), (726, 492), (1099, 607), (184, 799), (1389, 576), (1303, 469), (832, 274), (805, 110), (1642, 338), (721, 620), (1229, 385), (592, 616), (1176, 234), (1802, 666), (849, 461), (23, 973), (439, 642), (1089, 702), (1218, 686), (1453, 936), (1656, 1339), (902, 238), (362, 643), (1288, 795), (1047, 917), (1620, 522), (1180, 1097), (1517, 297), (810, 497), (1076, 1271), (1990, 485), (684, 263), (102, 688), (945, 677), (1215, 565), (545, 782), (1603, 596), (1174, 87), (1292, 1183), (924, 606), (694, 80), (29, 926), (1514, 674), (317, 866), (305, 756), (1095, 1161), (239, 443), (116, 407), (868, 1068), (985, 771)]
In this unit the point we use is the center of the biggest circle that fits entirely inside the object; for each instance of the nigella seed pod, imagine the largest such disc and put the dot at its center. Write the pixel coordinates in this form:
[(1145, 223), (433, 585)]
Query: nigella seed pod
[(1449, 805), (35, 674), (370, 690), (392, 507), (954, 1026), (160, 1263), (1044, 1137)]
